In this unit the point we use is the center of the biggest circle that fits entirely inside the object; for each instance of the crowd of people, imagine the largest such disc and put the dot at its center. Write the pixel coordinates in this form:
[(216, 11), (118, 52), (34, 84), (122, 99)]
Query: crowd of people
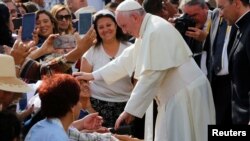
[(135, 75)]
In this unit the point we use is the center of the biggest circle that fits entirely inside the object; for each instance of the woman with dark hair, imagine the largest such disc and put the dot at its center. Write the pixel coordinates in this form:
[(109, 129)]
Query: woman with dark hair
[(119, 35), (6, 26), (108, 100), (47, 25)]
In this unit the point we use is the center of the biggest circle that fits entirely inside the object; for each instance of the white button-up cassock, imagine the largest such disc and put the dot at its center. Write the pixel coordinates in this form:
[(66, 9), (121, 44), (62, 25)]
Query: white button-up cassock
[(162, 64)]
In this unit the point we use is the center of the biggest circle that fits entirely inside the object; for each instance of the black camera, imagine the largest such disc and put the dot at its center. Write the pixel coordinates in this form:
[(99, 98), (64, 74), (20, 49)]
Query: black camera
[(183, 22)]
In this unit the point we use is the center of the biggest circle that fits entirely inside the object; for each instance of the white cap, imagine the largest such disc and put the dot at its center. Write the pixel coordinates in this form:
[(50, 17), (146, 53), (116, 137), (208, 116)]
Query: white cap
[(103, 12), (128, 5)]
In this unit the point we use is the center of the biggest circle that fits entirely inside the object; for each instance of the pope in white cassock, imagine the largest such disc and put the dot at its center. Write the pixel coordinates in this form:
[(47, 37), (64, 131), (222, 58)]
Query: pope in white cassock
[(163, 65)]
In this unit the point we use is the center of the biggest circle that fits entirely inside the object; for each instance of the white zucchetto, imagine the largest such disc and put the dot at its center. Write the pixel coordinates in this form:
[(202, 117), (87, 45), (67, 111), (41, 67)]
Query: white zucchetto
[(128, 5)]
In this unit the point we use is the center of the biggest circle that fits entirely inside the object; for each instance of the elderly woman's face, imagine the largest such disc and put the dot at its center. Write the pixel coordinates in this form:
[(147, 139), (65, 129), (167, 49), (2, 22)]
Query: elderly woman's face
[(45, 25)]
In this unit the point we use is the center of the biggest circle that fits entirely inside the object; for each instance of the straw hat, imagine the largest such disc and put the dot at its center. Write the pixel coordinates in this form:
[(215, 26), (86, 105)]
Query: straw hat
[(8, 80)]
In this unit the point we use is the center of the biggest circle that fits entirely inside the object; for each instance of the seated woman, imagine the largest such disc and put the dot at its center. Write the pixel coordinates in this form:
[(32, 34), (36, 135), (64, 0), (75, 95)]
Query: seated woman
[(60, 104)]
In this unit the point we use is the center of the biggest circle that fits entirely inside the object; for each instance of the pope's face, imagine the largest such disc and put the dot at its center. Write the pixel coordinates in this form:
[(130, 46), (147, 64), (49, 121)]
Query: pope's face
[(127, 23)]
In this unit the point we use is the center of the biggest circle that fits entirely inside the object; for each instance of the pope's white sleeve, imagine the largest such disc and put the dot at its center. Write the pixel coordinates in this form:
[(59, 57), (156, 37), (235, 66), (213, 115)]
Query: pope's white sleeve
[(118, 68), (144, 92)]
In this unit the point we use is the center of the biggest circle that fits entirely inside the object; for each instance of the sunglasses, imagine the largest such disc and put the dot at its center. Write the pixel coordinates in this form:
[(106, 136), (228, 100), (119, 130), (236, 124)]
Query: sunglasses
[(61, 17)]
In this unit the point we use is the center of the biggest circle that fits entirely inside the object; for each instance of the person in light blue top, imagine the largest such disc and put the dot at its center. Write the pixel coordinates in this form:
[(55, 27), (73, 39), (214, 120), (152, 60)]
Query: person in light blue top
[(60, 103), (47, 129)]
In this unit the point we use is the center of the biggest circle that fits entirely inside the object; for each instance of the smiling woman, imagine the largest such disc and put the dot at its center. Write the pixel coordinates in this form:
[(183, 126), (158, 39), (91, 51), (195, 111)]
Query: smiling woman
[(46, 24), (108, 100)]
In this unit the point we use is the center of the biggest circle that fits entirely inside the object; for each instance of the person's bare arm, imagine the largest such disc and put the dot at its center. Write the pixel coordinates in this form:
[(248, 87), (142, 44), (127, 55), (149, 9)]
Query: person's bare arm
[(83, 44)]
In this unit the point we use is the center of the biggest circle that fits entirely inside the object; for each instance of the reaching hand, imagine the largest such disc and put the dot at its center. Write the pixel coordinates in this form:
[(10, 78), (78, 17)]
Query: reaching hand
[(20, 51), (83, 76), (124, 116), (93, 121), (196, 33), (48, 46)]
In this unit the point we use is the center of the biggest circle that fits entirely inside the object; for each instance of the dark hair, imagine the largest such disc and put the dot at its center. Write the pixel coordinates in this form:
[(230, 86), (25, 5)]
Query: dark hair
[(119, 33), (201, 3), (5, 34), (21, 5), (51, 17), (152, 6), (58, 94), (31, 7), (177, 2), (112, 5), (10, 127)]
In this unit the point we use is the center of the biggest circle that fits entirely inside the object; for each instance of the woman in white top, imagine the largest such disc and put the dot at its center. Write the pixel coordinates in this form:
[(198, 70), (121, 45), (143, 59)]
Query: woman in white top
[(108, 100)]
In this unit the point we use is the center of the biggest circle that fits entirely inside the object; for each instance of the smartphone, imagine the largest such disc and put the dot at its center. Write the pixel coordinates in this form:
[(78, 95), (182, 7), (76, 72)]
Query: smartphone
[(85, 22), (64, 42), (17, 23), (28, 26), (123, 130)]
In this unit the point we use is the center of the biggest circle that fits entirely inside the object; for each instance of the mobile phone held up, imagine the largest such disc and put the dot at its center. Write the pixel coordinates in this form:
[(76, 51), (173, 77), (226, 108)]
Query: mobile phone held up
[(17, 23), (84, 23), (64, 42), (123, 130), (28, 26)]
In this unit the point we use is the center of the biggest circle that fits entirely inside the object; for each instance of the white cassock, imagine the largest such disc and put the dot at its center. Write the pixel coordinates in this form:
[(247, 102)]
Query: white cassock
[(165, 71)]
